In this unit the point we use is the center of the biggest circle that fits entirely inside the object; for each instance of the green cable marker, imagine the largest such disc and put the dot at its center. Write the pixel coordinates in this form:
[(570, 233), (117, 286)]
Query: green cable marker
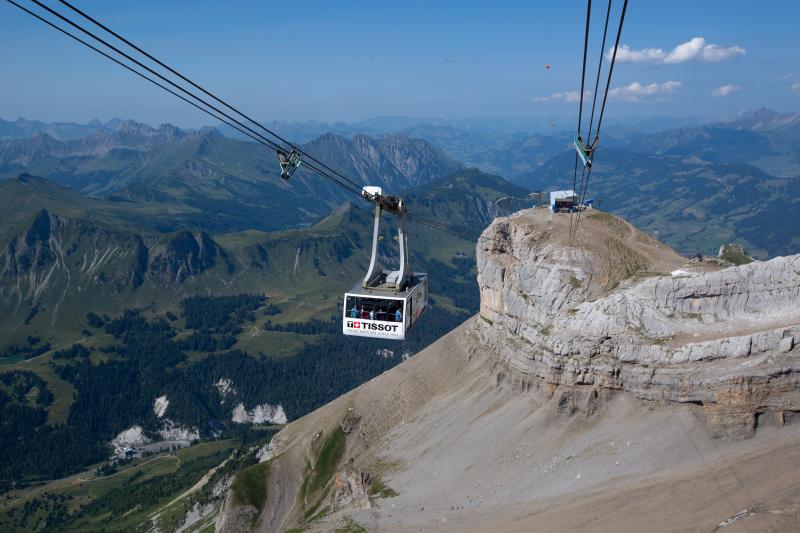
[(583, 152)]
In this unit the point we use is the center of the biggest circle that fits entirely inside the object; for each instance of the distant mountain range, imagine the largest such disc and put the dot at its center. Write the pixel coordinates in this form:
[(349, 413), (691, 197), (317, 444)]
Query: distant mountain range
[(63, 131), (763, 138), (202, 179), (710, 183)]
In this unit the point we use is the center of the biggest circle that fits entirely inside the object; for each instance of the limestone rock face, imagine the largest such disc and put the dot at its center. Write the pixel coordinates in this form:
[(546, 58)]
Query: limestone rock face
[(613, 308), (350, 489)]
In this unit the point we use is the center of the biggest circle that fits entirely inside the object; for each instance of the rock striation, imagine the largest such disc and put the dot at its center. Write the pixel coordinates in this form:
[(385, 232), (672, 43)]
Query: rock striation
[(602, 312), (56, 254)]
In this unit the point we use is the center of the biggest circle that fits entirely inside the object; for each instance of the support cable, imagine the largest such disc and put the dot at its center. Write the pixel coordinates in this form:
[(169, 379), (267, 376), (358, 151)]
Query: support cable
[(580, 107), (593, 143), (605, 97), (207, 92), (230, 121)]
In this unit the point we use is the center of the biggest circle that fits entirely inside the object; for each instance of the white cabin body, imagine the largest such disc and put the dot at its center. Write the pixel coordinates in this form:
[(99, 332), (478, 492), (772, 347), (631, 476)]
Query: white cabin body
[(384, 314)]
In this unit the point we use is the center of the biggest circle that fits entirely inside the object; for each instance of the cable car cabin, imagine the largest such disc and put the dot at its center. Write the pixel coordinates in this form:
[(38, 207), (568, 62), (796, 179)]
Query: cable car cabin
[(382, 313), (386, 303)]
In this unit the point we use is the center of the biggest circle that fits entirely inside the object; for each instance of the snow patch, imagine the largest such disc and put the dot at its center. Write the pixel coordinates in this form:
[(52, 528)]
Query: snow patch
[(170, 431), (680, 273), (274, 414), (160, 406)]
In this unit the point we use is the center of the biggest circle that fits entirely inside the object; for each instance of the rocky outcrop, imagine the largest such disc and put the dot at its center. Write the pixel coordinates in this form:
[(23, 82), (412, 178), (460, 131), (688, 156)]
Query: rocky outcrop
[(260, 414), (395, 161), (133, 436), (350, 489), (734, 254), (172, 431), (57, 253), (183, 255), (54, 266), (603, 313)]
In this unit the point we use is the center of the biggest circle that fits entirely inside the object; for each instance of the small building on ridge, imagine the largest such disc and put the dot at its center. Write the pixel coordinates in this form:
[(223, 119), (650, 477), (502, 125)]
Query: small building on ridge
[(563, 201)]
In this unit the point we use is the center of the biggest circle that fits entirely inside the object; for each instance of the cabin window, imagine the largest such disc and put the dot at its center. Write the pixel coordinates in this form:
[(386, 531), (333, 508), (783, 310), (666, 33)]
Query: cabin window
[(383, 309)]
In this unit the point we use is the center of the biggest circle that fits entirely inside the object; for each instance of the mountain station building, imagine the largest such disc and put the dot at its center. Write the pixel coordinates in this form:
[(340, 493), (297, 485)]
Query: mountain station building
[(563, 201)]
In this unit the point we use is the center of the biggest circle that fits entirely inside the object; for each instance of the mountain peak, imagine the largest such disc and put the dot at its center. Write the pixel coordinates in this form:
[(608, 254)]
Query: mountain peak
[(24, 178), (33, 182), (331, 137), (394, 162), (40, 229), (761, 113), (172, 131), (763, 119), (131, 126)]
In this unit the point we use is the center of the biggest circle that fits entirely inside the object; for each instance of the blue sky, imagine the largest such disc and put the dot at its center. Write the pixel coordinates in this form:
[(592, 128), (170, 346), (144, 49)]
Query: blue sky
[(352, 60)]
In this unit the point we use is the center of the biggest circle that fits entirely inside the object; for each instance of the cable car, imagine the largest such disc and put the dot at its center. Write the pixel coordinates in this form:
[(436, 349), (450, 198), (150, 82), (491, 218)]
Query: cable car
[(386, 304)]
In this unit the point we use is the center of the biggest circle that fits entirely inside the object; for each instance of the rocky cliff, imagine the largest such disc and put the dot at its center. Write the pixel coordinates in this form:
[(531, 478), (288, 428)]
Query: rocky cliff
[(606, 383), (616, 310), (57, 265)]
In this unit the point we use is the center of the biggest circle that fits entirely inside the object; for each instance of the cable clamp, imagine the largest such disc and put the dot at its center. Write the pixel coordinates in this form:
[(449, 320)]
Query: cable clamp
[(289, 161)]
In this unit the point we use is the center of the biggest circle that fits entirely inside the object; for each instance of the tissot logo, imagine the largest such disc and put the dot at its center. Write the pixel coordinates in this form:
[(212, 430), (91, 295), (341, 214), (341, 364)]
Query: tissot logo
[(372, 326)]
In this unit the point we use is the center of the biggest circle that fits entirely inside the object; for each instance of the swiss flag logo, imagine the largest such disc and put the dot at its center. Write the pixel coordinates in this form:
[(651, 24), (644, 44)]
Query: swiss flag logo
[(357, 325)]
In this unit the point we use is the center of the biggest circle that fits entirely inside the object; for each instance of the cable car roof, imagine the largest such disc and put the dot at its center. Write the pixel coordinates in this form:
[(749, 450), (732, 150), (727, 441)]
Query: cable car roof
[(386, 292)]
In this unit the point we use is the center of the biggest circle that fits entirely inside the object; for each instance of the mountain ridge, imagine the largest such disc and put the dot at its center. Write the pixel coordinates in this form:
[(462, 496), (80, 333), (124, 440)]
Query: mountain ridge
[(204, 171)]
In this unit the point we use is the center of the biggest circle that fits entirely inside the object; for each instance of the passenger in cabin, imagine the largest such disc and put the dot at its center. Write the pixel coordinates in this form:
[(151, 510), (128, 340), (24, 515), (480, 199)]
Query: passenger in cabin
[(364, 313), (381, 314), (398, 316), (372, 314), (354, 312)]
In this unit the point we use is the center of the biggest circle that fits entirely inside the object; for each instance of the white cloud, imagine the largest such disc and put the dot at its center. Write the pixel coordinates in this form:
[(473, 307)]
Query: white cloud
[(570, 96), (687, 51), (693, 49), (626, 54), (796, 88), (713, 53), (725, 90), (636, 91)]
